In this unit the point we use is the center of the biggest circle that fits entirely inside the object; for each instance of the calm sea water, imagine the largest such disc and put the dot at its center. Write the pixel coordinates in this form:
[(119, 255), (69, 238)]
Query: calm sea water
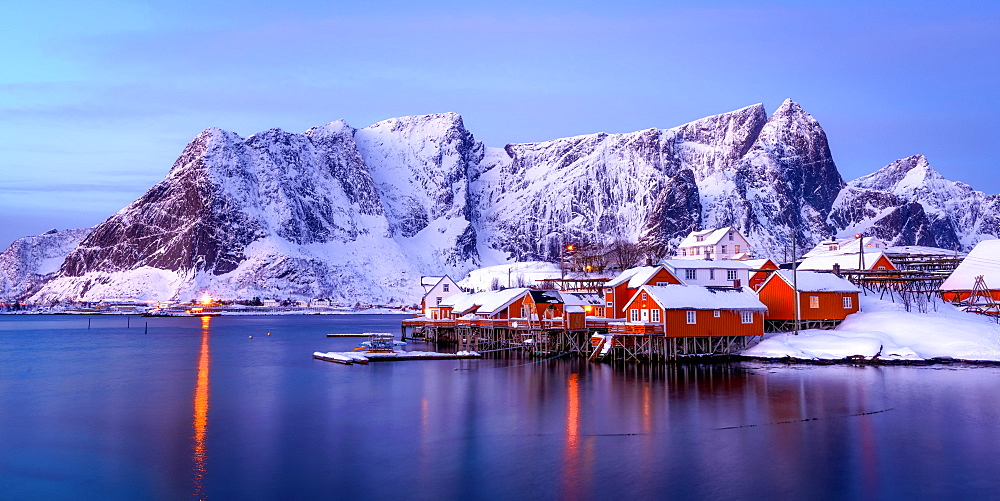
[(195, 408)]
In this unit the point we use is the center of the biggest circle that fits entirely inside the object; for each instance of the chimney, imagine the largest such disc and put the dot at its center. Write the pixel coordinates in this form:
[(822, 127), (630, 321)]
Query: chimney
[(836, 269)]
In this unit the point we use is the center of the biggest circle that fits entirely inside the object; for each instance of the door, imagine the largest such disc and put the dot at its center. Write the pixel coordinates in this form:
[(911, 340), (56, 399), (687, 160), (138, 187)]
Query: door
[(645, 315)]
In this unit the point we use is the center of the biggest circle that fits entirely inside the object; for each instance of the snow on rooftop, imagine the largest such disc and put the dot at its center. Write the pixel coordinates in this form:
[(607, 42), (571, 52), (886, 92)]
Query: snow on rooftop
[(844, 246), (983, 259), (626, 275), (811, 281), (695, 297), (430, 281), (642, 276), (494, 301), (711, 237), (582, 298), (756, 264), (846, 261), (518, 274), (899, 335)]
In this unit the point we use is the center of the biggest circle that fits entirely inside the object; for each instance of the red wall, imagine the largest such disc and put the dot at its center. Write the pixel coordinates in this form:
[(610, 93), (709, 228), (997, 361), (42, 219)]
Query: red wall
[(779, 298)]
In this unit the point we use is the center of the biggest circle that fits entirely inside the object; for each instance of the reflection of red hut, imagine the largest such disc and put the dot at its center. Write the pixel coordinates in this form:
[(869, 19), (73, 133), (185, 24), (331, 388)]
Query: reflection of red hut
[(757, 276), (621, 289), (824, 299)]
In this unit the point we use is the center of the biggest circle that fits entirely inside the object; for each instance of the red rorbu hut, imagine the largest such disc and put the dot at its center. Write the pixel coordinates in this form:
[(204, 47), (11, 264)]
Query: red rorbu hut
[(621, 289), (824, 299)]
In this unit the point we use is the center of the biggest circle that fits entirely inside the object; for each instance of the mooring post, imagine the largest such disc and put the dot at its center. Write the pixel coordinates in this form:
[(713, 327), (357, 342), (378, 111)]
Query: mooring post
[(88, 323)]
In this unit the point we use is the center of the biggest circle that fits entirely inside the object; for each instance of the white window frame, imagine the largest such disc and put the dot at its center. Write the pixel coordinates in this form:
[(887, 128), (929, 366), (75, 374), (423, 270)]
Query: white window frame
[(747, 317), (611, 304), (711, 273), (691, 274), (444, 287), (438, 303), (732, 275), (633, 315), (716, 313), (848, 302), (654, 315), (644, 296), (813, 302), (692, 317)]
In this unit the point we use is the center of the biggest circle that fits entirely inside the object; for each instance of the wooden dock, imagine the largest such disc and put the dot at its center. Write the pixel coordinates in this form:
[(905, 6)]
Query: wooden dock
[(353, 357)]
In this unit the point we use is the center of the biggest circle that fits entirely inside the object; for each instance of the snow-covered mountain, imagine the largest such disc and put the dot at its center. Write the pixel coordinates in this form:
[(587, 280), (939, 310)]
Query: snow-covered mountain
[(358, 215), (909, 203), (30, 261)]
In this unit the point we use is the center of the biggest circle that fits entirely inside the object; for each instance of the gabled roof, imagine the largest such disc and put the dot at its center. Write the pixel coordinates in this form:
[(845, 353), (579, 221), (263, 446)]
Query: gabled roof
[(485, 303), (711, 237), (430, 281), (983, 259), (582, 298), (696, 297), (846, 261), (758, 264), (627, 275), (811, 281)]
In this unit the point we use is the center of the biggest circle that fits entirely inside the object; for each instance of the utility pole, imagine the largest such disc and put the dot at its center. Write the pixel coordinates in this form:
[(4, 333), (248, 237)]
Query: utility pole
[(795, 283), (861, 251)]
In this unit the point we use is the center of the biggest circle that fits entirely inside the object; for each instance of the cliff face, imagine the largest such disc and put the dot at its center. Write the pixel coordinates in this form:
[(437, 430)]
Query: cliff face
[(30, 261), (358, 215), (909, 203)]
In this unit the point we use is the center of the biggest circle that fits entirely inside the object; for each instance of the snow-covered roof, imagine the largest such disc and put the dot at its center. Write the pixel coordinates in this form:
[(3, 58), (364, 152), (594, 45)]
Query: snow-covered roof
[(704, 264), (626, 275), (495, 301), (846, 261), (711, 237), (696, 297), (983, 259), (811, 281), (757, 264), (920, 250), (844, 246), (582, 298), (488, 302), (430, 281)]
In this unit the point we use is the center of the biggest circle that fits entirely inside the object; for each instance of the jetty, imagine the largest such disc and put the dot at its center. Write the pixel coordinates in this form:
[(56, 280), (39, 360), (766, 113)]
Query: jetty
[(382, 347)]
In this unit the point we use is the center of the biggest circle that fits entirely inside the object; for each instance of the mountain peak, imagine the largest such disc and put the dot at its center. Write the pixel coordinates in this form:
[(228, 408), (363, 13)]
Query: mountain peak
[(902, 174)]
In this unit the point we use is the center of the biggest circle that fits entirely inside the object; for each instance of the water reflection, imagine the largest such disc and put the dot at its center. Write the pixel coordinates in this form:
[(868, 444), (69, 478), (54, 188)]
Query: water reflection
[(571, 460), (201, 411)]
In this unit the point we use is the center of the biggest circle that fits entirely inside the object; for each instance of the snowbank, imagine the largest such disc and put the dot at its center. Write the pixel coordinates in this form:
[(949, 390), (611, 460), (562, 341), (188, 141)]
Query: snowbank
[(899, 335)]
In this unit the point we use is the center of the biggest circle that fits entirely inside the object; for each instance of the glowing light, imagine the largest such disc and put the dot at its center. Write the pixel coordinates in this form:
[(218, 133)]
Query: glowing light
[(588, 308), (569, 247), (857, 235), (206, 299)]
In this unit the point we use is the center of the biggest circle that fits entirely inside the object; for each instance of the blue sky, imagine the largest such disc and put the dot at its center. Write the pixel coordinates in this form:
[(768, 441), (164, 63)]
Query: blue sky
[(97, 99)]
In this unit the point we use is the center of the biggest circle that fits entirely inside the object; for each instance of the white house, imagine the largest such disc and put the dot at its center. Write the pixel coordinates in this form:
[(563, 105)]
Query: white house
[(720, 243), (436, 289), (722, 273)]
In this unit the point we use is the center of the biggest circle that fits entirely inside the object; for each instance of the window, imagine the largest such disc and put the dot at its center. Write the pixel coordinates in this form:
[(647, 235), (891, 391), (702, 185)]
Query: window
[(716, 313), (633, 315), (730, 274), (730, 237), (831, 247), (736, 249), (723, 249), (643, 296), (881, 267), (700, 238), (662, 283), (684, 252), (692, 316), (610, 304), (690, 274), (848, 304), (711, 274), (747, 317), (438, 301), (814, 301), (609, 291), (446, 287), (654, 315)]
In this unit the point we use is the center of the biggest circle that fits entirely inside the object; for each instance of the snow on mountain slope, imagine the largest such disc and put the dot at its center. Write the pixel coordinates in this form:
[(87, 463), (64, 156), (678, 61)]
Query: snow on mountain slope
[(30, 261), (909, 203), (358, 215)]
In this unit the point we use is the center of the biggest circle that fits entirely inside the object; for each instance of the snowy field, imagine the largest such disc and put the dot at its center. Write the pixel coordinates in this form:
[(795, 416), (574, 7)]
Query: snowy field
[(899, 335)]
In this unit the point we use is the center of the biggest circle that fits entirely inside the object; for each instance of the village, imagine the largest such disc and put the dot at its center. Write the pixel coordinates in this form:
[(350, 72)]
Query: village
[(710, 298)]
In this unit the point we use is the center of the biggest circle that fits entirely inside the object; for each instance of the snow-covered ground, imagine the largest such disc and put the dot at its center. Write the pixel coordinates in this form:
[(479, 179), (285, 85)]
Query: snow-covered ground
[(899, 335)]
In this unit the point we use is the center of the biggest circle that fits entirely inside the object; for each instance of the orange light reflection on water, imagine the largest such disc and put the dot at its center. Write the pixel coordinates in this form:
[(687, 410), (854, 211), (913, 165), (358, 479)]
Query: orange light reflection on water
[(201, 412), (571, 460)]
